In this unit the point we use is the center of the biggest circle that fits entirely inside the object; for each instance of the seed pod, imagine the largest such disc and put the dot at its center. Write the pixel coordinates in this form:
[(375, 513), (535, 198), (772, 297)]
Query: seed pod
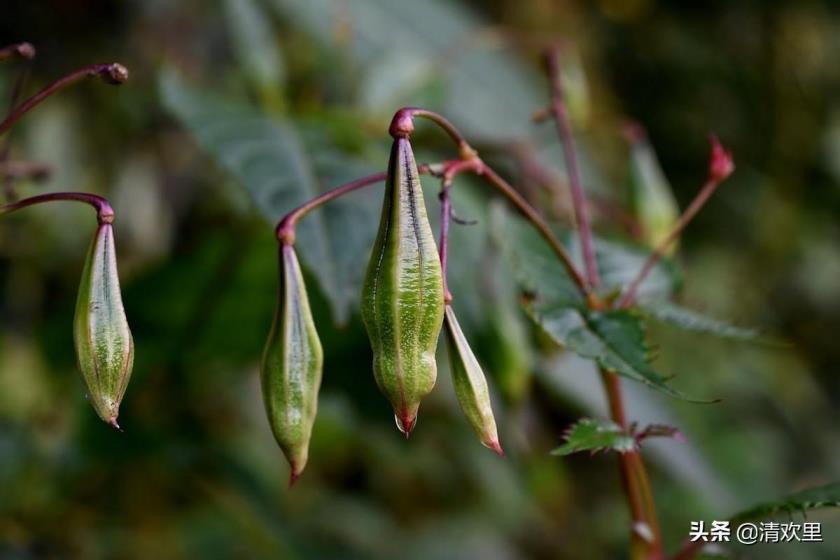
[(402, 297), (651, 198), (470, 384), (292, 364), (104, 345)]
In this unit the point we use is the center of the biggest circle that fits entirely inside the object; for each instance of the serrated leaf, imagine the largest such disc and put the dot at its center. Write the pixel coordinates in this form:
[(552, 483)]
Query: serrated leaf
[(827, 496), (615, 339), (687, 319), (595, 435), (269, 157)]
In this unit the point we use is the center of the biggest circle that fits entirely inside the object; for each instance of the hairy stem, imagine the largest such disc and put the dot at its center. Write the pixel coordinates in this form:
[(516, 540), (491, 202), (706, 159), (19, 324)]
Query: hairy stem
[(104, 211), (564, 130), (111, 73)]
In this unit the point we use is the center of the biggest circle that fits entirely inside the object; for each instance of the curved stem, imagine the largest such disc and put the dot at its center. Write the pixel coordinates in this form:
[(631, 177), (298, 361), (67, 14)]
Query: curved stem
[(403, 125), (445, 214), (104, 211), (564, 130), (112, 73), (543, 228)]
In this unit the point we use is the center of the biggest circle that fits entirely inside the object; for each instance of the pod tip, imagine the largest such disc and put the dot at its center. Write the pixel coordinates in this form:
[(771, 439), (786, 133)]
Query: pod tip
[(497, 447), (113, 422), (293, 475), (405, 423)]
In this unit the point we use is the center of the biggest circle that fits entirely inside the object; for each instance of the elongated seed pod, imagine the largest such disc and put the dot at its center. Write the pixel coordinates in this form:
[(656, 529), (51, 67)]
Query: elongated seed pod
[(402, 297), (104, 346), (292, 365), (470, 384), (651, 197)]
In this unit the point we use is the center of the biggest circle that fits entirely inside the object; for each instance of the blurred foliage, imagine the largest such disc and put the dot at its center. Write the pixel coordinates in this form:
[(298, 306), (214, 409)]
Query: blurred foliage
[(311, 85)]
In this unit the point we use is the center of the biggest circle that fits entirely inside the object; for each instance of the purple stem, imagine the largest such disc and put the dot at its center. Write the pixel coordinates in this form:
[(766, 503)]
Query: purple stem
[(104, 211), (112, 73), (564, 130)]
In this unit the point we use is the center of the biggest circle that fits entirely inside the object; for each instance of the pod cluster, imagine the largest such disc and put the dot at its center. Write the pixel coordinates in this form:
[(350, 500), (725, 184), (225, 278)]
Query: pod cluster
[(403, 311)]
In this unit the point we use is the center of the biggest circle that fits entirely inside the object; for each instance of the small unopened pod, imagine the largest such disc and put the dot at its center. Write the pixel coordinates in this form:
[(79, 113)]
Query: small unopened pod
[(292, 366), (651, 198), (470, 384), (402, 296), (104, 345)]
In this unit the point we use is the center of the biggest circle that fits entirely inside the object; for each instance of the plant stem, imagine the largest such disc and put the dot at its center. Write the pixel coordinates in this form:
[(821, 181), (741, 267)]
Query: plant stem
[(104, 211), (542, 227), (403, 125), (445, 214), (112, 73), (564, 130), (635, 481)]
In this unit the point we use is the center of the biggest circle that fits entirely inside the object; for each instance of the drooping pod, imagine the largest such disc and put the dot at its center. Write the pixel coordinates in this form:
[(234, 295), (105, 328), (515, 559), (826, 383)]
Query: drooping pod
[(402, 296), (651, 198), (292, 365), (470, 384), (104, 345)]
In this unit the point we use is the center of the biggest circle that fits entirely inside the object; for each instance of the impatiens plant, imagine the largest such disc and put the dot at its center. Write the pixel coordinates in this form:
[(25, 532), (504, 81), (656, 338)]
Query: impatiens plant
[(104, 345), (591, 306)]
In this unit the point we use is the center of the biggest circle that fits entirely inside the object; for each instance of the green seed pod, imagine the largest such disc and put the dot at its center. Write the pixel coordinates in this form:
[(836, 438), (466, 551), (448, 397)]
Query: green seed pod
[(651, 198), (292, 365), (470, 384), (402, 297), (104, 345)]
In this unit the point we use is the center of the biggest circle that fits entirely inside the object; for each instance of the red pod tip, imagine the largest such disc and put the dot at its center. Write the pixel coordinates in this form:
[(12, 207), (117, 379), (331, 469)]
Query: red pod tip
[(721, 165)]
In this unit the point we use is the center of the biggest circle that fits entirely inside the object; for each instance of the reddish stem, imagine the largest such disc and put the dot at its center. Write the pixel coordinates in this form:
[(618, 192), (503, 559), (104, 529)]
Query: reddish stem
[(403, 125), (112, 73), (720, 167), (564, 130), (451, 169), (104, 211)]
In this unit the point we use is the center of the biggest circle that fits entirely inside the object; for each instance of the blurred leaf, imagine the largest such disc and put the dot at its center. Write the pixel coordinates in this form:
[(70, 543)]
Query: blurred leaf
[(479, 79), (827, 496), (269, 157), (539, 271), (595, 435), (690, 320), (651, 197), (256, 48), (614, 339)]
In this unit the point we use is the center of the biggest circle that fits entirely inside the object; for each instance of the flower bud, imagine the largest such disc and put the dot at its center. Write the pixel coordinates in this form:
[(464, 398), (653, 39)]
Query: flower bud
[(104, 345), (470, 384), (292, 365), (402, 297)]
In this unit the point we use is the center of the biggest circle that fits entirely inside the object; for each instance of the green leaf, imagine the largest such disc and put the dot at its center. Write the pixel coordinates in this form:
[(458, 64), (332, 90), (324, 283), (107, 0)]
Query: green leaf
[(827, 496), (689, 320), (271, 159), (539, 272), (256, 47), (595, 435), (615, 339), (438, 37)]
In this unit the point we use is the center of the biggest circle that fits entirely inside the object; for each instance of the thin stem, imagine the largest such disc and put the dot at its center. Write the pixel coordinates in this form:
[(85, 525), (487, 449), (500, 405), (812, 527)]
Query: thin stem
[(446, 214), (537, 221), (104, 211), (634, 479), (23, 50), (112, 73), (721, 167), (403, 125), (285, 230), (564, 130)]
